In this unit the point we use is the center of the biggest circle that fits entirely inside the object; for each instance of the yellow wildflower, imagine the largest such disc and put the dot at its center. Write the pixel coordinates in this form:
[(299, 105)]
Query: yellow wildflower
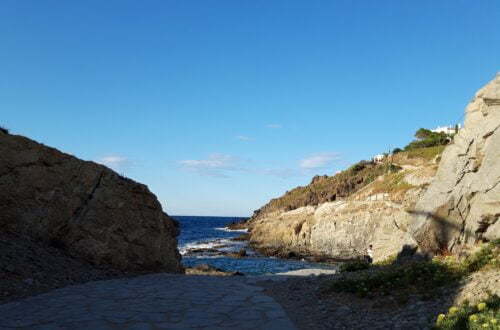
[(493, 321), (473, 318), (481, 306), (440, 318), (453, 310), (485, 325)]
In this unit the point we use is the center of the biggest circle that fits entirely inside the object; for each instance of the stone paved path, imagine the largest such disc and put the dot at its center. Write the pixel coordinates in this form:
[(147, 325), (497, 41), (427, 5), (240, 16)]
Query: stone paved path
[(158, 301)]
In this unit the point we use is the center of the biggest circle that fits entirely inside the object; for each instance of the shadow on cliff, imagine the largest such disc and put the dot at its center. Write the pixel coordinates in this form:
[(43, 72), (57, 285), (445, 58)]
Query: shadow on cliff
[(413, 272), (440, 235)]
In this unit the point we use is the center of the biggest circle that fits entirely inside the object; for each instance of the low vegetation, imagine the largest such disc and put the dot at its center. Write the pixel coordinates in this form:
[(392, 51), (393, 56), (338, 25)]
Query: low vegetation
[(330, 188), (425, 153), (426, 146), (422, 277), (411, 278), (354, 266), (392, 183), (484, 315), (4, 130)]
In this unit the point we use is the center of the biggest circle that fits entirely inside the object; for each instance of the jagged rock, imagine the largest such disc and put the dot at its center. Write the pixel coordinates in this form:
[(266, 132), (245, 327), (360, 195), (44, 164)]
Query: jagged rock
[(83, 208), (462, 204), (341, 230), (206, 269)]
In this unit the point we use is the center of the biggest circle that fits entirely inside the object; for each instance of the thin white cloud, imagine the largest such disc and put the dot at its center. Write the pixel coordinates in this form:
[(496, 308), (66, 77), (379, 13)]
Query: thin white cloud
[(243, 138), (320, 160), (216, 165), (223, 165), (274, 126), (115, 162)]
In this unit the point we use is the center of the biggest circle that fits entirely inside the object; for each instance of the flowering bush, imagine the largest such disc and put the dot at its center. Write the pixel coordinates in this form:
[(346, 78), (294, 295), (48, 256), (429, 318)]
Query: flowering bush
[(485, 315)]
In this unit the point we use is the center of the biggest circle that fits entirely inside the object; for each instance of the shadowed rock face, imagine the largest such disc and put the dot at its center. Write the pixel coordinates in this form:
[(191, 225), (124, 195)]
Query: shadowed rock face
[(84, 208), (462, 204)]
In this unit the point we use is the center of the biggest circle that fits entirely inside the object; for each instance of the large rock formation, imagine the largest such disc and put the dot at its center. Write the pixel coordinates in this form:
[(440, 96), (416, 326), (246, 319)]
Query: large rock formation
[(83, 208), (376, 214), (462, 205)]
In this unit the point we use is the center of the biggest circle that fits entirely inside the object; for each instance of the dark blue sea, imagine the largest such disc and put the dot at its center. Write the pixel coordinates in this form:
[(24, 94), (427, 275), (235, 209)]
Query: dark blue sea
[(204, 240)]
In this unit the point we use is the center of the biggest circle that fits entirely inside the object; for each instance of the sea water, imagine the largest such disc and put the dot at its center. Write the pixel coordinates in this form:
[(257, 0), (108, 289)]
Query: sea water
[(211, 233)]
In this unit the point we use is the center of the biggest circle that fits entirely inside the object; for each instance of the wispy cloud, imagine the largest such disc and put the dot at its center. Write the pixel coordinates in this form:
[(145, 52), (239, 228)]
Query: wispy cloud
[(223, 165), (320, 160), (116, 162), (274, 126), (243, 138), (216, 165)]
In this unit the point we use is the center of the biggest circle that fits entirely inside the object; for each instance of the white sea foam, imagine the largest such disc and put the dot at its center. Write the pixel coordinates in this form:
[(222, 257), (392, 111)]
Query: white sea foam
[(225, 245), (198, 245), (233, 230)]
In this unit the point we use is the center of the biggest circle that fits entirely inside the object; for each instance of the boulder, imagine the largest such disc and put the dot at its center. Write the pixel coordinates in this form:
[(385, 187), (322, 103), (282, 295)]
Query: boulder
[(83, 208), (462, 204)]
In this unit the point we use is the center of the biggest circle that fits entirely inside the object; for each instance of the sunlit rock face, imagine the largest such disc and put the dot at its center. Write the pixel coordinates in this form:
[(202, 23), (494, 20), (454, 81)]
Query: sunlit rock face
[(462, 205), (83, 208)]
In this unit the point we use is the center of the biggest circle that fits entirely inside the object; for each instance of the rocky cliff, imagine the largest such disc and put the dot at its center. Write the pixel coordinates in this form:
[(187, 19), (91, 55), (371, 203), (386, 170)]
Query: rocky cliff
[(409, 205), (374, 213), (83, 208), (462, 205)]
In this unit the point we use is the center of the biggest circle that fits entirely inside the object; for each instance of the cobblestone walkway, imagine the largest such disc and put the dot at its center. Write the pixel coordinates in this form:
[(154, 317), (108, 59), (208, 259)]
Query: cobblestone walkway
[(159, 301)]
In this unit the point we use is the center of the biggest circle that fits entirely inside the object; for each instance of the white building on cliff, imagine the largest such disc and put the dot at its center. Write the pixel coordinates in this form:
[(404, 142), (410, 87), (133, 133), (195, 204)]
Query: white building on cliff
[(379, 158), (450, 130)]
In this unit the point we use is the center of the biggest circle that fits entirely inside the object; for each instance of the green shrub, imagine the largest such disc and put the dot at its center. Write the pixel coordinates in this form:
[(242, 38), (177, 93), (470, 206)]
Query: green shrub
[(426, 138), (396, 150), (353, 266), (485, 315)]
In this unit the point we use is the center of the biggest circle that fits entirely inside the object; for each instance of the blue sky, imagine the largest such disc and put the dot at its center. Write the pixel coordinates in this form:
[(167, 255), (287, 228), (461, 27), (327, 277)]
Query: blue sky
[(219, 106)]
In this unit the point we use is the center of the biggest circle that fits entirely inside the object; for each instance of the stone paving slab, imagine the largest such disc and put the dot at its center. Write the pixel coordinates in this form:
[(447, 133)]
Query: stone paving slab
[(159, 301)]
